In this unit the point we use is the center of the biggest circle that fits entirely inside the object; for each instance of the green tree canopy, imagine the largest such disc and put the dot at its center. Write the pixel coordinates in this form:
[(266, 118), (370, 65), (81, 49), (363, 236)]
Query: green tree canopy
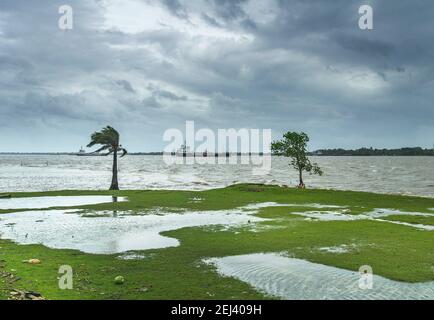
[(294, 146)]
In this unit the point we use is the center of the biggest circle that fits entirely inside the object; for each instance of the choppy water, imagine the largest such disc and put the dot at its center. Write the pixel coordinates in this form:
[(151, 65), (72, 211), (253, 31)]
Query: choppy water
[(403, 175), (295, 279)]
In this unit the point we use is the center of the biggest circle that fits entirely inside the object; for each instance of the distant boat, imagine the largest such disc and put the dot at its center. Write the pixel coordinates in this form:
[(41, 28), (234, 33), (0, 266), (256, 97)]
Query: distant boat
[(184, 151), (82, 152)]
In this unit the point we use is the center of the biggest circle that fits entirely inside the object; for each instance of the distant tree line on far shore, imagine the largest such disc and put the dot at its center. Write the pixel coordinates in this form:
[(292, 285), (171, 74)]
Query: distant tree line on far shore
[(416, 151)]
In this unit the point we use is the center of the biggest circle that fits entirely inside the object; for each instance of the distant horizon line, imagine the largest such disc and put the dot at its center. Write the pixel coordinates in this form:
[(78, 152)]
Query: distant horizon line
[(315, 152)]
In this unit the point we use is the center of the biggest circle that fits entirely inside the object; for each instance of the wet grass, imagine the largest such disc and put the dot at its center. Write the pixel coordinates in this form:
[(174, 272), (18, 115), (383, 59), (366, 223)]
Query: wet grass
[(396, 252)]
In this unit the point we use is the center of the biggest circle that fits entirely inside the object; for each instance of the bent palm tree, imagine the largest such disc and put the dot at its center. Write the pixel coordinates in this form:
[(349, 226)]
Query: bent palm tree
[(108, 137)]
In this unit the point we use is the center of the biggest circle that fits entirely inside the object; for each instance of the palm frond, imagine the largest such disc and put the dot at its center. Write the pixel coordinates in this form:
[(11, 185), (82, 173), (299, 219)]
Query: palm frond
[(105, 147), (124, 152), (108, 138)]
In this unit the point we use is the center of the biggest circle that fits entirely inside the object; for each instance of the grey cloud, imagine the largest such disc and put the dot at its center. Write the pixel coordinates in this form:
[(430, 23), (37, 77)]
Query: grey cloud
[(229, 9), (363, 46), (210, 20), (307, 68), (165, 94), (125, 85), (171, 96), (152, 102), (176, 8)]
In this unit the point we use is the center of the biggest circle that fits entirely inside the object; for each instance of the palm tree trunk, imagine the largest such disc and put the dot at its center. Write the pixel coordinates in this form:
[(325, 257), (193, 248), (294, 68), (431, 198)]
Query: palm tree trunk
[(114, 185)]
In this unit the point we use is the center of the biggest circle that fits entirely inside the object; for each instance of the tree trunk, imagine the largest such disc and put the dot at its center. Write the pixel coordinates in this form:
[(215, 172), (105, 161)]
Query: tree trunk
[(301, 184), (115, 185)]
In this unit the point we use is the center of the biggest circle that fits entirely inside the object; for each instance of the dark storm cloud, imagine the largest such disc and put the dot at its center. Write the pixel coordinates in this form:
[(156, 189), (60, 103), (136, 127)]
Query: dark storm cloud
[(210, 20), (175, 8), (229, 9), (171, 96), (280, 64), (165, 94), (126, 85), (365, 46)]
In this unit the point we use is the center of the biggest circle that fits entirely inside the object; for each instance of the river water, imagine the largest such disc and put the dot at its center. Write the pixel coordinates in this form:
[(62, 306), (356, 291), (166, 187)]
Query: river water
[(397, 175)]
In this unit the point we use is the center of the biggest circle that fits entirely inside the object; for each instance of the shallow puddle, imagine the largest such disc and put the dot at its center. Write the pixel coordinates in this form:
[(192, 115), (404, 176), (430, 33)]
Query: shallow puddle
[(376, 215), (295, 279), (339, 249), (414, 225), (329, 216), (51, 202), (108, 234), (131, 256), (379, 213), (261, 205), (341, 213)]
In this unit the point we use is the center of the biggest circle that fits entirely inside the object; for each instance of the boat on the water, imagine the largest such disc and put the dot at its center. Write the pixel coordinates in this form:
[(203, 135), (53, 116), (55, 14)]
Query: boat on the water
[(184, 151), (82, 152)]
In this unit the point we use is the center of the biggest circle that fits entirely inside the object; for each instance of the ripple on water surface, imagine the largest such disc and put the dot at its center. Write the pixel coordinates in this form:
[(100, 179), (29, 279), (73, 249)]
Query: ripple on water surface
[(296, 279)]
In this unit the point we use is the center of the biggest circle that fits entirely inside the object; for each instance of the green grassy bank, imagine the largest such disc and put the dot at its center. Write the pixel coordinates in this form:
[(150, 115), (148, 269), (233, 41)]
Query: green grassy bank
[(394, 251)]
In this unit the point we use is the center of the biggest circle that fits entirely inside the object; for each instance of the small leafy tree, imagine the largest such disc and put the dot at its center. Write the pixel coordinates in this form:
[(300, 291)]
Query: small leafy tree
[(108, 138), (294, 146)]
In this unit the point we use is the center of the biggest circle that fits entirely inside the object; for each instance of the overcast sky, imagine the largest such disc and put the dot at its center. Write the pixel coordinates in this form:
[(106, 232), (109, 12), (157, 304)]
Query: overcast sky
[(144, 66)]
